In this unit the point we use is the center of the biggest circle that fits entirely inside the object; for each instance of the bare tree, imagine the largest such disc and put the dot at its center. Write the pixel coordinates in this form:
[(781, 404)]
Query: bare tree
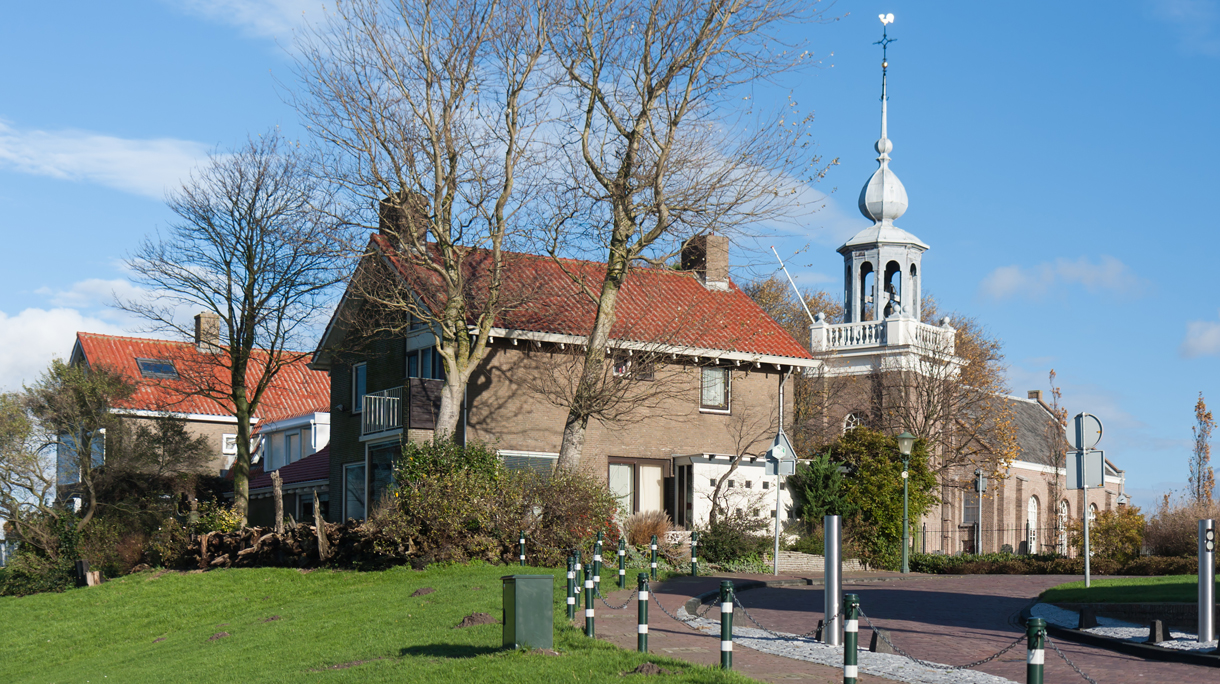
[(254, 247), (751, 431), (430, 111), (658, 147), (820, 396), (954, 395), (1202, 479), (1056, 453)]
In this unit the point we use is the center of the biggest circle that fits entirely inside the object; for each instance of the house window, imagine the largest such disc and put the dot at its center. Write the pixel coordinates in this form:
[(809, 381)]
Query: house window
[(425, 363), (634, 367), (156, 368), (766, 485), (292, 447), (381, 471), (359, 386), (1064, 516), (353, 491), (715, 391), (228, 444), (1031, 524), (749, 484), (622, 485)]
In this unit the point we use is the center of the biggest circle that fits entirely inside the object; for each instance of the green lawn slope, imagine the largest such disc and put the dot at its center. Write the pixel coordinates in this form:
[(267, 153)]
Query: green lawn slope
[(288, 626), (1167, 589)]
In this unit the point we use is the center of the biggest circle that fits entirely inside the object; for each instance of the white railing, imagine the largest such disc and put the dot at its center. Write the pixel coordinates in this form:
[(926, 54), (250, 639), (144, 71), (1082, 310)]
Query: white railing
[(856, 334), (381, 411), (934, 338)]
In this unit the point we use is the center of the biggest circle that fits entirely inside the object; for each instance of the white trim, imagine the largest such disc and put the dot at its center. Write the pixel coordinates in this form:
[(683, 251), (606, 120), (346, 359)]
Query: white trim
[(317, 417), (194, 417), (680, 350), (381, 436), (1051, 470)]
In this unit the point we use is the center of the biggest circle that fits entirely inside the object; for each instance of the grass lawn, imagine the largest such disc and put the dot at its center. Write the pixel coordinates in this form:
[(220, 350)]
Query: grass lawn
[(1167, 589), (288, 626)]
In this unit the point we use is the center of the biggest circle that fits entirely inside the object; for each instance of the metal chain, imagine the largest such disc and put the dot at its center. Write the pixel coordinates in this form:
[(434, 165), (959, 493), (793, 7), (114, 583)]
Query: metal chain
[(777, 635), (1067, 660), (939, 666), (598, 592), (675, 617)]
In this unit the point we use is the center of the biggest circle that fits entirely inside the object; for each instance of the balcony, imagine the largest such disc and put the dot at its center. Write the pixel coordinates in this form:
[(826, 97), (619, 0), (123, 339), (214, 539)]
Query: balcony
[(383, 412), (892, 332)]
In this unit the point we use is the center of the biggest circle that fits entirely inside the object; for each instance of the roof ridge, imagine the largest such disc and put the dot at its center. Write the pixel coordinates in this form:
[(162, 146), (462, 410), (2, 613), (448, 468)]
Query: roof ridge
[(162, 340)]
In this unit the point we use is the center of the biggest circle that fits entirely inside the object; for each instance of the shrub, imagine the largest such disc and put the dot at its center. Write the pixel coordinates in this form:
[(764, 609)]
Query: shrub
[(455, 503), (32, 570), (733, 538), (167, 545), (1174, 528), (811, 543), (217, 517), (1116, 535), (640, 528)]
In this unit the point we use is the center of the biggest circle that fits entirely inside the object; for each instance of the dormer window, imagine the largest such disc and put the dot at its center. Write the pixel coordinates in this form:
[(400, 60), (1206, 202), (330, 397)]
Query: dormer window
[(157, 369)]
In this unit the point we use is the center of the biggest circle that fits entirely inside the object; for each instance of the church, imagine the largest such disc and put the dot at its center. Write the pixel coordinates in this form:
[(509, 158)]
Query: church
[(890, 369)]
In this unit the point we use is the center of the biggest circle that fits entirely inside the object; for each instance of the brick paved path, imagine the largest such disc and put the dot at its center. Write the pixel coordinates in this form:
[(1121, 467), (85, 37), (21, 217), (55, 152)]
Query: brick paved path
[(942, 619)]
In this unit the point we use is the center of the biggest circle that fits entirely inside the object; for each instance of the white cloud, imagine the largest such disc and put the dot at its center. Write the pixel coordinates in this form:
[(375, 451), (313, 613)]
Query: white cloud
[(274, 19), (33, 337), (1202, 339), (91, 293), (1107, 274), (1196, 22), (142, 167)]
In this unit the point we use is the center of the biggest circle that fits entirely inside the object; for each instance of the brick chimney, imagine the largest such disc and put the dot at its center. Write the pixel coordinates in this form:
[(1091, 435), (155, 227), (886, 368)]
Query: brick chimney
[(708, 256), (1036, 395), (207, 332), (393, 220)]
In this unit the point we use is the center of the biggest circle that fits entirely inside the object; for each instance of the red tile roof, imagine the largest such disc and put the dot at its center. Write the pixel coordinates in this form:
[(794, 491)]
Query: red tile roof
[(313, 467), (296, 390), (655, 305)]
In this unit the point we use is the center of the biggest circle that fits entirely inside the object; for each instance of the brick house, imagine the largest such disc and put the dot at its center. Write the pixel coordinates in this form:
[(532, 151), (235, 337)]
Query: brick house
[(157, 368), (719, 362)]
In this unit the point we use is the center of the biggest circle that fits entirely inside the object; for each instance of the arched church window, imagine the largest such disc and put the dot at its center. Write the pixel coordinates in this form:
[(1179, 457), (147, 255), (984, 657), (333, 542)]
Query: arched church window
[(893, 289), (853, 420), (867, 280), (1092, 512), (1064, 517), (1031, 524)]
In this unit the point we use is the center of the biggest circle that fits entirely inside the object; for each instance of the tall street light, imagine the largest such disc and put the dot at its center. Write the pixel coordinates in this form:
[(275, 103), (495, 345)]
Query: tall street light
[(905, 442)]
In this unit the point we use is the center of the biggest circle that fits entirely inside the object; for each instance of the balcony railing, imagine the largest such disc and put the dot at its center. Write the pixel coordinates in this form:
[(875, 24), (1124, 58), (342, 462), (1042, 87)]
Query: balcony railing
[(892, 332), (381, 412)]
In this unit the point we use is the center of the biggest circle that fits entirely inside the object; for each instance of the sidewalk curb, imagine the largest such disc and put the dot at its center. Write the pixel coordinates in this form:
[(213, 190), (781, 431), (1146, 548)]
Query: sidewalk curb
[(1145, 651)]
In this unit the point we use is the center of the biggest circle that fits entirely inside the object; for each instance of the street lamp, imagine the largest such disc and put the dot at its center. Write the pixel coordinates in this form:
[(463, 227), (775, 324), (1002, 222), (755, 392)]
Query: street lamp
[(905, 442)]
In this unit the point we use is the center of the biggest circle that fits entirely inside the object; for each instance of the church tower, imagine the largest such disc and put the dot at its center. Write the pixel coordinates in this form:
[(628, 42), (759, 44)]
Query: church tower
[(881, 267), (882, 270)]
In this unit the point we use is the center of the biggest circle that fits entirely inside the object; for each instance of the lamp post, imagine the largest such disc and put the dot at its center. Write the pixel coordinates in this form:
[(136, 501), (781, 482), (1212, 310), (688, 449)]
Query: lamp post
[(905, 441)]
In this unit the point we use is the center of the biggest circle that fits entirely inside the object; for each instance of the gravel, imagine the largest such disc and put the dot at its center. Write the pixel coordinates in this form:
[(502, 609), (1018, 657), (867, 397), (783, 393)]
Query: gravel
[(895, 667), (1119, 629)]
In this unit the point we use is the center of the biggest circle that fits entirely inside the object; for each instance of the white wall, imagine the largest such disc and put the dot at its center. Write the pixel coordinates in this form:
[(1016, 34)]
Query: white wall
[(747, 498)]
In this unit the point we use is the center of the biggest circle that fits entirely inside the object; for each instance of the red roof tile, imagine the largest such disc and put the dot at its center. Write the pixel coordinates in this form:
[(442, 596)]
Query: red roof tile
[(313, 467), (296, 390), (655, 306)]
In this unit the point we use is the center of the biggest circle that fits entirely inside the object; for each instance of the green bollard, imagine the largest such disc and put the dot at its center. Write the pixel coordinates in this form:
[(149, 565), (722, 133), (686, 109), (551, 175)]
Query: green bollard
[(694, 554), (851, 638), (1035, 629), (653, 561), (622, 563), (588, 602), (726, 625), (571, 589), (641, 640), (578, 567), (522, 540), (597, 562)]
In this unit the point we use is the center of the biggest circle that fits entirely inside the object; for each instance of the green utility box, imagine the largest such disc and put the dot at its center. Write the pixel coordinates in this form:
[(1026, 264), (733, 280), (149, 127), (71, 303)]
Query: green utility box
[(529, 616)]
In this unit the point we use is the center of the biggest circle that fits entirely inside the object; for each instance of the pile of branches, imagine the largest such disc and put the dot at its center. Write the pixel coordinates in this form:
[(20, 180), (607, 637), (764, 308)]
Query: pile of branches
[(303, 546)]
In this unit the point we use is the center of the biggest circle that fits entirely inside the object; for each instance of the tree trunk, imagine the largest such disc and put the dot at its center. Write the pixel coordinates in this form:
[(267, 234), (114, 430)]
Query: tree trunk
[(241, 462), (277, 483), (594, 366), (450, 412), (320, 526)]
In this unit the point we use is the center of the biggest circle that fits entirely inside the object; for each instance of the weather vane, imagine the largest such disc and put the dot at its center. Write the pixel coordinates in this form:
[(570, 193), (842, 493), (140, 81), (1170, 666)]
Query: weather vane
[(886, 20)]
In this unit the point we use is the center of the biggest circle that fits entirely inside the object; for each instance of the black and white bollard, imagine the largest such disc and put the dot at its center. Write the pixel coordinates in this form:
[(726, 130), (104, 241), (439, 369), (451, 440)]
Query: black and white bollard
[(1207, 580), (726, 625), (522, 542), (1035, 658), (641, 640), (571, 589), (622, 563), (588, 603), (851, 638), (694, 554), (653, 561)]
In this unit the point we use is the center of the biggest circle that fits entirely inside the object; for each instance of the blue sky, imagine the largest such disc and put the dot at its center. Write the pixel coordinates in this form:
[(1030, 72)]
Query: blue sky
[(1056, 157)]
